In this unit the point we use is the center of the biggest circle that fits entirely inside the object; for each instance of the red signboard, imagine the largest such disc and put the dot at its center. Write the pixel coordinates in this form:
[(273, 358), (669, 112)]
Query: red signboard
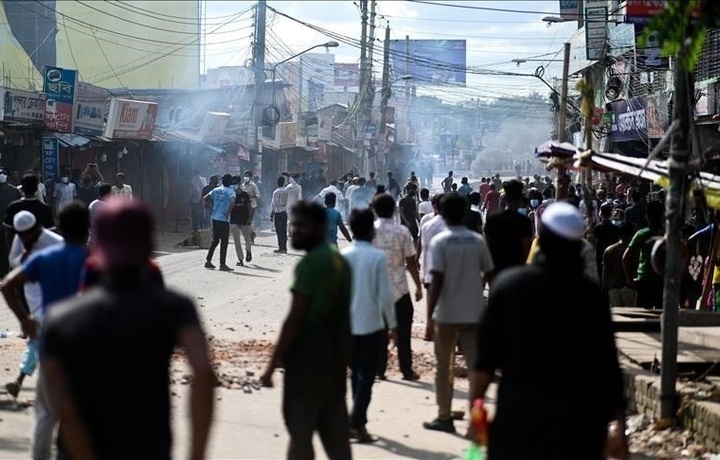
[(59, 116), (649, 8)]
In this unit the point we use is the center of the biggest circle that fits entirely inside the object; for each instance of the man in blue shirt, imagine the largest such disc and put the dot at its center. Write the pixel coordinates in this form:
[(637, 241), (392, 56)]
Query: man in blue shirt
[(372, 312), (465, 188), (334, 220), (223, 201), (57, 269)]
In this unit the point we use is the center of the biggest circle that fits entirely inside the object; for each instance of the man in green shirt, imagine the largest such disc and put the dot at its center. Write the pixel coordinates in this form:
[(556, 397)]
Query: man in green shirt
[(314, 344), (637, 259)]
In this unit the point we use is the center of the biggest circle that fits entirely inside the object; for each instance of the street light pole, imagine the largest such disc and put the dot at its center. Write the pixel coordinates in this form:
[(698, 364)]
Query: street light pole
[(562, 181), (332, 44)]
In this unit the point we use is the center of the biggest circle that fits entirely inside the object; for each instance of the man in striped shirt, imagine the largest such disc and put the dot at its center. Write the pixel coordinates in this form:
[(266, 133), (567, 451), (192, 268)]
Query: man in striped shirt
[(279, 214)]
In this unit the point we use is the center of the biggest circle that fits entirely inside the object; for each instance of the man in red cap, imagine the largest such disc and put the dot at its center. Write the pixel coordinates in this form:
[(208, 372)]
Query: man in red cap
[(126, 328)]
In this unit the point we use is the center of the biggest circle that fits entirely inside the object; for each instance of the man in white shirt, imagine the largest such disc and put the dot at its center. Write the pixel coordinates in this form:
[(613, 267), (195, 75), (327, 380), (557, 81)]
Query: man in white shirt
[(433, 225), (65, 191), (104, 193), (121, 189), (31, 237), (372, 311), (425, 207), (397, 244), (294, 192), (332, 188), (461, 264)]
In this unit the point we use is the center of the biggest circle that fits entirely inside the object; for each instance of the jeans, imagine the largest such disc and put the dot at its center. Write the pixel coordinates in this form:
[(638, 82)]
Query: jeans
[(315, 401), (221, 234), (208, 218), (446, 339), (246, 231), (281, 220), (363, 364), (404, 313), (197, 215), (30, 358), (45, 422)]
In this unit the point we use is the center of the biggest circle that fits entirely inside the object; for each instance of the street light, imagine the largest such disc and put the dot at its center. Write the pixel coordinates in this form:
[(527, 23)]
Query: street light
[(553, 20), (403, 78), (523, 61), (327, 45)]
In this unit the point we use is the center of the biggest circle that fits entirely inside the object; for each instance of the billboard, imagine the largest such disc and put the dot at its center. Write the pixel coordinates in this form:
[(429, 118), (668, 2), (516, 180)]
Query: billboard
[(639, 118), (569, 9), (59, 86), (91, 108), (22, 106), (430, 61), (129, 119)]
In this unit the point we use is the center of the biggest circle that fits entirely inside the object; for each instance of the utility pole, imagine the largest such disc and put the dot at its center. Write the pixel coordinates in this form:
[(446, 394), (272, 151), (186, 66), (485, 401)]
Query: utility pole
[(362, 94), (385, 93), (259, 73), (677, 166), (369, 89), (562, 180)]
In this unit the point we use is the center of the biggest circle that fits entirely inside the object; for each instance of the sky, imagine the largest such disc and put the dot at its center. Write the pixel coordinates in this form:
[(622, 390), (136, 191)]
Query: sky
[(494, 38)]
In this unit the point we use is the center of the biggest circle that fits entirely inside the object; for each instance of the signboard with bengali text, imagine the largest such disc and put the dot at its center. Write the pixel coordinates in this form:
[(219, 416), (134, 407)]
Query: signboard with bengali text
[(50, 159), (23, 106)]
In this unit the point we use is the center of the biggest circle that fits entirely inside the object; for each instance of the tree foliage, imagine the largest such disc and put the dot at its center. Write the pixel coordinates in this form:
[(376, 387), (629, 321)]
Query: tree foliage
[(682, 28)]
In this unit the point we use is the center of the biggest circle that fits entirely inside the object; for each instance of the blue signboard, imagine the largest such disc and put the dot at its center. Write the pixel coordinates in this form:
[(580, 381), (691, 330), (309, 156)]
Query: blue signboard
[(50, 160), (59, 84), (430, 61)]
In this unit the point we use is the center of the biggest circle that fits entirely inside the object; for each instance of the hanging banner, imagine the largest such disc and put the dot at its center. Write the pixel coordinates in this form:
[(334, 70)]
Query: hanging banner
[(22, 106), (50, 160), (286, 135), (642, 117), (59, 87), (130, 119), (91, 108)]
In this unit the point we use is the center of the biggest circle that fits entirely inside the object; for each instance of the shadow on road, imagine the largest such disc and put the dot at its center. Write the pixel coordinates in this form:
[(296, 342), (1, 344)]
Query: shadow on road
[(402, 450)]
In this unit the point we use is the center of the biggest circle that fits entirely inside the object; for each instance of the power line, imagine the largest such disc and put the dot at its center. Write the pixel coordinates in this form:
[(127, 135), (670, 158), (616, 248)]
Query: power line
[(77, 21), (144, 10), (480, 8), (471, 21), (147, 13)]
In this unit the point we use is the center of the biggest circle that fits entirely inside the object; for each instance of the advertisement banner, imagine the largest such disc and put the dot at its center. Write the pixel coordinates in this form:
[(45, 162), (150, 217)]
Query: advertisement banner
[(569, 9), (22, 106), (50, 159), (642, 11), (285, 135), (639, 118), (213, 125), (130, 119), (91, 108), (59, 86), (430, 61)]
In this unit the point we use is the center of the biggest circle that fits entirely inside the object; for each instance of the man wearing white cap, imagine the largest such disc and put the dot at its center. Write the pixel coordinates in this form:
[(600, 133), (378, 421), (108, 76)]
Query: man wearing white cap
[(30, 237), (538, 319)]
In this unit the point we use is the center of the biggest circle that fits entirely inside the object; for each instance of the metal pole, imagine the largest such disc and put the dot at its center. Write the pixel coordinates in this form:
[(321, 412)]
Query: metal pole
[(364, 83), (679, 154), (385, 95), (259, 70), (588, 146), (562, 182)]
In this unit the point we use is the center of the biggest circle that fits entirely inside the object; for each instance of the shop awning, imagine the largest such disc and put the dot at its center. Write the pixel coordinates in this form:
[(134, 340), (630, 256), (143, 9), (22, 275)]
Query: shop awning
[(70, 140)]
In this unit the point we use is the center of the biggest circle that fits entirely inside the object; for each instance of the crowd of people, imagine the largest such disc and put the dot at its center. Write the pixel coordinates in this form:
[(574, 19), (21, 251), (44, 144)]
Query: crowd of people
[(83, 281), (347, 305)]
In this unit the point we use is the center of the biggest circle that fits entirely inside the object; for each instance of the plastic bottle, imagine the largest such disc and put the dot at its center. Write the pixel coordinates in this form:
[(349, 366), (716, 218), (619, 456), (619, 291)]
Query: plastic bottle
[(479, 429)]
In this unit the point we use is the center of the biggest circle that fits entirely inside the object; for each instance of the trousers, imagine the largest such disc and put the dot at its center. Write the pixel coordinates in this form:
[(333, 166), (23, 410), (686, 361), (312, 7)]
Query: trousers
[(45, 422), (30, 358), (221, 235), (446, 339), (404, 311), (197, 215), (315, 401), (246, 231), (363, 365), (281, 219)]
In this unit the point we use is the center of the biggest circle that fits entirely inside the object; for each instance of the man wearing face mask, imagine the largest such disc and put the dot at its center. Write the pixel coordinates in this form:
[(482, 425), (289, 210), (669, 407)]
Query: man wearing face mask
[(509, 232), (65, 191), (8, 194), (253, 191)]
